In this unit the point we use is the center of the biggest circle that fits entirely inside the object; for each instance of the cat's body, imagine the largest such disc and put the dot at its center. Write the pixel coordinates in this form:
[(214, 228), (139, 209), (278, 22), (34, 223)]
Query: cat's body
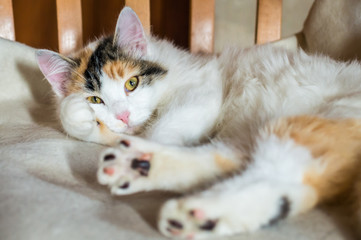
[(276, 116)]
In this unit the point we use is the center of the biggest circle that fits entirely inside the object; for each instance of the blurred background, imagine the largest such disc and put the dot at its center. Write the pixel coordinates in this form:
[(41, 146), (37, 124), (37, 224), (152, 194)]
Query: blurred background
[(235, 20)]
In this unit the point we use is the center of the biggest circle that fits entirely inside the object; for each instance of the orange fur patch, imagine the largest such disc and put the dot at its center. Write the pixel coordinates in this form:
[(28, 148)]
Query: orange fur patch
[(120, 70), (225, 164), (335, 146), (108, 137)]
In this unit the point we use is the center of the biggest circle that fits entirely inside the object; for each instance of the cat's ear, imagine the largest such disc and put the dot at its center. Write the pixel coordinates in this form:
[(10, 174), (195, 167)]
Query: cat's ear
[(129, 33), (56, 69)]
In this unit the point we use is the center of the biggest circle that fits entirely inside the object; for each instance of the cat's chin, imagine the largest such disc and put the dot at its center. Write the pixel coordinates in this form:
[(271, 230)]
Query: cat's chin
[(128, 130)]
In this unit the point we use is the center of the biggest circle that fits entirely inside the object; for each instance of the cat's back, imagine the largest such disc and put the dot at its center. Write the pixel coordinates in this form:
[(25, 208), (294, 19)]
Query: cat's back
[(270, 65), (264, 83), (265, 73)]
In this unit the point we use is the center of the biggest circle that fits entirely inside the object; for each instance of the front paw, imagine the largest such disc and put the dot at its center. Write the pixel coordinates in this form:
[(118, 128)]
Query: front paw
[(125, 172), (76, 116), (129, 168)]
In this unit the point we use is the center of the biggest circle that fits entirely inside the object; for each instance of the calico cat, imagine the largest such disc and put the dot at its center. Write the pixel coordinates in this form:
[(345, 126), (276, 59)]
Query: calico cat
[(273, 132)]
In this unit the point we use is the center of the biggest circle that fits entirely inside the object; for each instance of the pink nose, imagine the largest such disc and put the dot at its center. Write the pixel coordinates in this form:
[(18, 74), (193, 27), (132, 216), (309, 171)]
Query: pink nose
[(124, 117)]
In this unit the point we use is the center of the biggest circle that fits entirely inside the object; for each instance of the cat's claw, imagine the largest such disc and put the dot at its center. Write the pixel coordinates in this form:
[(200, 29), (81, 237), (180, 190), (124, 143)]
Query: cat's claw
[(124, 169)]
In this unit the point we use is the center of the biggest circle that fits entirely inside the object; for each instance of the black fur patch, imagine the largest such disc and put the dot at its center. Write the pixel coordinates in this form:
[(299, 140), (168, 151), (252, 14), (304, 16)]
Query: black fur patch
[(283, 211), (106, 52), (150, 71)]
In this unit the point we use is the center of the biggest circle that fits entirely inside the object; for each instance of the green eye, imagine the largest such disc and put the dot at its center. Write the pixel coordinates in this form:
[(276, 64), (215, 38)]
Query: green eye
[(131, 84), (95, 100)]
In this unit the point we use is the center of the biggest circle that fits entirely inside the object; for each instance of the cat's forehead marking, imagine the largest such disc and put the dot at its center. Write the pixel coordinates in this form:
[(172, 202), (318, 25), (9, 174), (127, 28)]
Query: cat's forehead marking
[(114, 62), (120, 69), (103, 53)]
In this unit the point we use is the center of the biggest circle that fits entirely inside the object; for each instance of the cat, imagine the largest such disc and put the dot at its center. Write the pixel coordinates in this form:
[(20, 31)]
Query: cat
[(233, 129)]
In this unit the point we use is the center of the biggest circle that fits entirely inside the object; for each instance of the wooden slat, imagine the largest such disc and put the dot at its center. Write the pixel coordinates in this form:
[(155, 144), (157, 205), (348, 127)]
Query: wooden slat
[(7, 29), (142, 8), (202, 26), (70, 32), (269, 20)]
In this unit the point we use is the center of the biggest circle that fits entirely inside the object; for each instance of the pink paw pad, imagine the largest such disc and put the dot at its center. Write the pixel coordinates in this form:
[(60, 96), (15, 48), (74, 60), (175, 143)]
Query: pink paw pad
[(109, 171), (198, 214), (190, 236)]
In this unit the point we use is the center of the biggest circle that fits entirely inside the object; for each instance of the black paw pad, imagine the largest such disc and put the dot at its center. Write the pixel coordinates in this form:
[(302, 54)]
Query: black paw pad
[(175, 224), (125, 143), (209, 225), (109, 157), (125, 185), (142, 166)]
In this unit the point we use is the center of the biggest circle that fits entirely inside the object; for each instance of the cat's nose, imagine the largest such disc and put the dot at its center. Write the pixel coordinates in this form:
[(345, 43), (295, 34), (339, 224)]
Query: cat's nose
[(124, 117)]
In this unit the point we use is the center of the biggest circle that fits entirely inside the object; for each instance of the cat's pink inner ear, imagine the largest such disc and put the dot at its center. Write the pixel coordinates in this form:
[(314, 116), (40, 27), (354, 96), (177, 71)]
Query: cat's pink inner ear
[(129, 32), (55, 69)]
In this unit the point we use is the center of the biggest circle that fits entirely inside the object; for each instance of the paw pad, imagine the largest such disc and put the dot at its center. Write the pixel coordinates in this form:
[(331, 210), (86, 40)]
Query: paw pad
[(141, 166), (109, 171), (125, 185), (209, 225), (125, 143), (109, 157), (197, 214), (175, 224)]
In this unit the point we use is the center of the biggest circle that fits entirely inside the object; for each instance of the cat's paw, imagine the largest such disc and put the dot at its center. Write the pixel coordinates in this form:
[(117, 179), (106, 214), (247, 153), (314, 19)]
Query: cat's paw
[(191, 219), (125, 169), (77, 117), (221, 212)]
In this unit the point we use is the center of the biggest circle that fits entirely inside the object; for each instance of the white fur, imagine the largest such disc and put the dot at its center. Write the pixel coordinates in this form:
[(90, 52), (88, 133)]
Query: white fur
[(249, 201), (223, 101), (232, 100)]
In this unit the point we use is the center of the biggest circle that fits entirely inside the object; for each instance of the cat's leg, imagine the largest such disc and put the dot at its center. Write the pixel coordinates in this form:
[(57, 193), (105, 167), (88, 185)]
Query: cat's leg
[(287, 177), (233, 210), (142, 165), (269, 190), (79, 121)]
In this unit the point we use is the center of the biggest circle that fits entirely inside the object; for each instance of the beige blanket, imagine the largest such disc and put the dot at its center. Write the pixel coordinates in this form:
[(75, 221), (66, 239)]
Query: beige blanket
[(48, 188)]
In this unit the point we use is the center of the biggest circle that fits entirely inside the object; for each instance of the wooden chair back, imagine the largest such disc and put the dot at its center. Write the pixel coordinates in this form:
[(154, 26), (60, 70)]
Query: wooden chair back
[(69, 21)]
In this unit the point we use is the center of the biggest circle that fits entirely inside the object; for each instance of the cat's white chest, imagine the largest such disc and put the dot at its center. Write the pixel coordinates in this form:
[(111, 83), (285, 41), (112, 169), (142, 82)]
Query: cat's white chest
[(192, 114)]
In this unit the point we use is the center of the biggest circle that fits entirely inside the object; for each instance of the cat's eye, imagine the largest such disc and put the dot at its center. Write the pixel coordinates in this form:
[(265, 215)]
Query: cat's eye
[(131, 84), (95, 100)]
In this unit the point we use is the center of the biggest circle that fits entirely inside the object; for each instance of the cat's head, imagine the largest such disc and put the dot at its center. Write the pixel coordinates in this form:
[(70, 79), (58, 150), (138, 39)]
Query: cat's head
[(111, 74)]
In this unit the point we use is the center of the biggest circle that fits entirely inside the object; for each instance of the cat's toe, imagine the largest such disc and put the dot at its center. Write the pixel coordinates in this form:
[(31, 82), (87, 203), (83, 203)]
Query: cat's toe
[(109, 169), (124, 143)]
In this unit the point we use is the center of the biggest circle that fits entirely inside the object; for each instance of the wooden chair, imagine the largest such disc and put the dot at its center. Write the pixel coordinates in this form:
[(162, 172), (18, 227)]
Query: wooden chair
[(69, 20)]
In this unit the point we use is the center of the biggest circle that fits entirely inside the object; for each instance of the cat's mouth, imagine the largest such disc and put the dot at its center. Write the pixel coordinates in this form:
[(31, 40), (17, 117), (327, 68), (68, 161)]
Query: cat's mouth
[(125, 129)]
